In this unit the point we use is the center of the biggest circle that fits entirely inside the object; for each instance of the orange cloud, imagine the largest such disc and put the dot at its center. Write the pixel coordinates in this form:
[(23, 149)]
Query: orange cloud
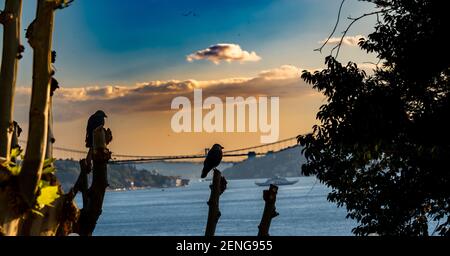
[(73, 103)]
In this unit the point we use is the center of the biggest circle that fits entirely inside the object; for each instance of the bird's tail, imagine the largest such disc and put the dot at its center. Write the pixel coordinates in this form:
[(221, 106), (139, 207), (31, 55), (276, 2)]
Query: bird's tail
[(204, 172)]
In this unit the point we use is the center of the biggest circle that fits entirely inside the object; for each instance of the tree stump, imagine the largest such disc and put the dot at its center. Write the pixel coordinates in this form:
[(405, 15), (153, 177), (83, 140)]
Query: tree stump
[(93, 202), (82, 184), (270, 197), (217, 187)]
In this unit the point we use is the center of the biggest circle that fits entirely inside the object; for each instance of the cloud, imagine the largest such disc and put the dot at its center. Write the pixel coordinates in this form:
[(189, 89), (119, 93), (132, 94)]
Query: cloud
[(75, 103), (347, 40), (283, 72), (369, 66), (223, 52)]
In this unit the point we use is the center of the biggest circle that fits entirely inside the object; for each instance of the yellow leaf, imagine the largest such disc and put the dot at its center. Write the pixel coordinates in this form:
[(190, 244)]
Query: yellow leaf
[(5, 164), (43, 183), (15, 152), (14, 169), (48, 195)]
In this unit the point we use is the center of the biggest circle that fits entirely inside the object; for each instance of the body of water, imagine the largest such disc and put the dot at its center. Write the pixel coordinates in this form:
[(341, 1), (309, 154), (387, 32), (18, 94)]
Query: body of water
[(303, 208)]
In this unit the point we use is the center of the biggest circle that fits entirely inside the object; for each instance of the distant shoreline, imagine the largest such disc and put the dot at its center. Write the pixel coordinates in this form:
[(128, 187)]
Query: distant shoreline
[(140, 188)]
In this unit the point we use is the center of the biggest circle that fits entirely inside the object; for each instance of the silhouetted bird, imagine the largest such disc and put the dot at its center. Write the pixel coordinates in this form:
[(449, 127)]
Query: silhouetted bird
[(212, 159), (96, 120)]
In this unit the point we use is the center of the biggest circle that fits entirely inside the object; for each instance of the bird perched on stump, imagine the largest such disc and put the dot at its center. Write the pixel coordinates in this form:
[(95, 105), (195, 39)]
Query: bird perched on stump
[(212, 159)]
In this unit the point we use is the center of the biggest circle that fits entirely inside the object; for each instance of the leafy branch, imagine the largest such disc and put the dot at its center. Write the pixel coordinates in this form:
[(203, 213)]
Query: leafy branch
[(47, 193)]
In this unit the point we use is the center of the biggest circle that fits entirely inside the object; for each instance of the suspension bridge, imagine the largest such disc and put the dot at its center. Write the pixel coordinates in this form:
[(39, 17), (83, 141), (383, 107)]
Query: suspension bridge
[(235, 154)]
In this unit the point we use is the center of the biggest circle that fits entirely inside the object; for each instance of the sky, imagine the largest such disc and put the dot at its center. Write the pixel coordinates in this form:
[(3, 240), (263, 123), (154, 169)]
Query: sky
[(132, 58)]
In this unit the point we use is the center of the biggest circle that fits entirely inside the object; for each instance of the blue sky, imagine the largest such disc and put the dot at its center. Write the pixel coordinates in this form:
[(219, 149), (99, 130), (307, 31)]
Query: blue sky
[(128, 58), (113, 41)]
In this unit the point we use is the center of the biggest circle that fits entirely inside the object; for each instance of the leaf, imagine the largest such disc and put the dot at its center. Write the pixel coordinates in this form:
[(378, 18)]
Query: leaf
[(15, 170), (15, 152), (48, 195), (49, 170), (49, 161), (43, 184), (5, 164), (12, 168)]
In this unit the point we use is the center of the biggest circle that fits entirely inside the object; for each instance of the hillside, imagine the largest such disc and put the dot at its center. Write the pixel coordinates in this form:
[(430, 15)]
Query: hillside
[(119, 176), (285, 163), (189, 170)]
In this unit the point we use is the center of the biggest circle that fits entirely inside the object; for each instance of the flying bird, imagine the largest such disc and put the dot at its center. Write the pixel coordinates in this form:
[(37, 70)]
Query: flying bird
[(96, 120), (212, 159)]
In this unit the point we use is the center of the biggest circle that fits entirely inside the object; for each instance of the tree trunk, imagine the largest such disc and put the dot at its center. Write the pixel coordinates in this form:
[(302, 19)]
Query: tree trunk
[(10, 18), (9, 218), (47, 225), (82, 183), (50, 135), (15, 139), (39, 34), (18, 193), (270, 196), (94, 203), (217, 187)]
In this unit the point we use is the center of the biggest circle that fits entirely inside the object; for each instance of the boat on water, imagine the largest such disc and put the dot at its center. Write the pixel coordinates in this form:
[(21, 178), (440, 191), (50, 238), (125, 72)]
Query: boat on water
[(277, 180)]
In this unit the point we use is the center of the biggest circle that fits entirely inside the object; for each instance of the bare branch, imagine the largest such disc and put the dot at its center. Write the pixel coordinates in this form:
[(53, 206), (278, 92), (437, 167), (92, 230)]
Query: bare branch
[(353, 20), (334, 29), (338, 46)]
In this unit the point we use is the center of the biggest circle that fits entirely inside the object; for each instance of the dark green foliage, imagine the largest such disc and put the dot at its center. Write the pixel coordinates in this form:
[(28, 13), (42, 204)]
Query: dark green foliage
[(383, 143)]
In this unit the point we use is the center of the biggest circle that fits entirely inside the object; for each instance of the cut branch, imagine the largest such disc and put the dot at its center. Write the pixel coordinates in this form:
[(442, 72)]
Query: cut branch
[(93, 202), (270, 197), (50, 137), (39, 34), (11, 20), (218, 186), (82, 182)]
